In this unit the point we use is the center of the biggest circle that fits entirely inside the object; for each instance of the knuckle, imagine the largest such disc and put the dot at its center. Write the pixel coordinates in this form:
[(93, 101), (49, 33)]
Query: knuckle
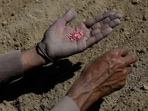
[(114, 52)]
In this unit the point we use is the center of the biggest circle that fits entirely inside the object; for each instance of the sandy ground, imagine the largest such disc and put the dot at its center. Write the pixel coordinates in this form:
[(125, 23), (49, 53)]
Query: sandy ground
[(22, 24)]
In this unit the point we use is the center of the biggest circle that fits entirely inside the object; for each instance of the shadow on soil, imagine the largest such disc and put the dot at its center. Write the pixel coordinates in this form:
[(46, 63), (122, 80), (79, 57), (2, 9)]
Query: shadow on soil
[(40, 80), (43, 79)]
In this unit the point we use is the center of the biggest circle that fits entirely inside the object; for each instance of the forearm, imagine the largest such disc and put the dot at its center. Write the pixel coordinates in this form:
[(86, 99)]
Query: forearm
[(31, 59), (14, 64)]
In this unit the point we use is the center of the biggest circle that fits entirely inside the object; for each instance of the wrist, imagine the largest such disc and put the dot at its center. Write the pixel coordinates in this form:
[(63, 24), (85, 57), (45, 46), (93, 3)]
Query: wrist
[(82, 100), (83, 96), (41, 49)]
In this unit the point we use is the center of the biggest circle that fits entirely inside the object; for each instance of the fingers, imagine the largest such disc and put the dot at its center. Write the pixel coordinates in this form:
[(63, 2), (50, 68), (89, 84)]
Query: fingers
[(117, 15), (95, 32), (103, 34), (129, 59), (111, 18), (123, 51), (94, 39), (69, 15), (98, 18), (108, 21), (111, 21), (98, 30), (110, 15), (114, 23)]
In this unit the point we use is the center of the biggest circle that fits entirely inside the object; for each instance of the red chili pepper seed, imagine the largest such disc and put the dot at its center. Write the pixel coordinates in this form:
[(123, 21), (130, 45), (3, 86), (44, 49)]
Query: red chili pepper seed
[(76, 35)]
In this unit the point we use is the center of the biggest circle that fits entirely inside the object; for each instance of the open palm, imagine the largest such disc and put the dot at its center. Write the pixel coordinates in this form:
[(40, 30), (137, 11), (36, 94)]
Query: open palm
[(56, 38)]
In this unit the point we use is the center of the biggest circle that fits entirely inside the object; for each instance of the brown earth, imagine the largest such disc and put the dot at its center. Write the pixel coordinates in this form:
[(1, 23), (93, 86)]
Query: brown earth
[(22, 24)]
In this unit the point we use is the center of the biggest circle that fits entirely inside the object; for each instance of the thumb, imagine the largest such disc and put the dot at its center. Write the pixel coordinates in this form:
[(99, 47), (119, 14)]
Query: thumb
[(69, 15)]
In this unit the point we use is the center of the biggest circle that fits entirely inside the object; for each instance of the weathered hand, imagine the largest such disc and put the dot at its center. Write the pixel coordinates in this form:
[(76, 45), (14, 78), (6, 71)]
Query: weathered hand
[(56, 40), (101, 77)]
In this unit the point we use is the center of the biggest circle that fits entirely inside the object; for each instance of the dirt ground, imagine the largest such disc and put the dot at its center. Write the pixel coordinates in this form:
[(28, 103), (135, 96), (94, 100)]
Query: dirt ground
[(22, 25)]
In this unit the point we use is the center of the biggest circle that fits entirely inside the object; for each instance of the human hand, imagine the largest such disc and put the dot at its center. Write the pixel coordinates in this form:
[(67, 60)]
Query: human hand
[(56, 43), (101, 77)]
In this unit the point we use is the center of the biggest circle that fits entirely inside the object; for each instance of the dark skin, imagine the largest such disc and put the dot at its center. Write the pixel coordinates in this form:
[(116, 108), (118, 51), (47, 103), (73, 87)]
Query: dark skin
[(101, 77)]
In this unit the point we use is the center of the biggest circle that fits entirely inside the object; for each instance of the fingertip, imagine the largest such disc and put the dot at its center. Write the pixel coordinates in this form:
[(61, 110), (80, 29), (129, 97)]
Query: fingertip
[(72, 9), (123, 50), (130, 59), (122, 46), (107, 31), (69, 14), (109, 28), (114, 22), (109, 13), (119, 15), (117, 21), (135, 57)]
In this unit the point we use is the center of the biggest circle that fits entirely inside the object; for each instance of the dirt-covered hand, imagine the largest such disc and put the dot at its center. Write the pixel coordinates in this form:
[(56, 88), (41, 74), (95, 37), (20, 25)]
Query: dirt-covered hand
[(101, 77), (57, 43)]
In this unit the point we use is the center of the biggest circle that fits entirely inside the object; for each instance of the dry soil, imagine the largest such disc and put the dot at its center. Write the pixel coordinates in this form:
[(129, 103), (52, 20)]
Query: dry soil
[(22, 25)]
